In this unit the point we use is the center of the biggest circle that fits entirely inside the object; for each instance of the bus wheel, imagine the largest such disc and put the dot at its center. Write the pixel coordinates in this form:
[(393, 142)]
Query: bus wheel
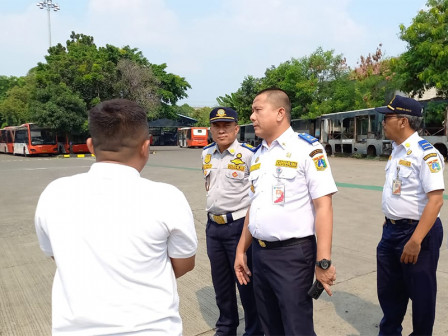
[(328, 150), (371, 151)]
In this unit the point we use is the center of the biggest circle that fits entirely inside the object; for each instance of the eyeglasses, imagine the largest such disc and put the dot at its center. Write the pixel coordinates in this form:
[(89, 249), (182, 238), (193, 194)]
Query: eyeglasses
[(390, 117)]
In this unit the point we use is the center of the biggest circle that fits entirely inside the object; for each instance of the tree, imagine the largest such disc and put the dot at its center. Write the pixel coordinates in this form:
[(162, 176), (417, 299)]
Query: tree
[(202, 115), (375, 82), (14, 107), (241, 100), (425, 63), (139, 84), (59, 108), (313, 83), (6, 83), (97, 74)]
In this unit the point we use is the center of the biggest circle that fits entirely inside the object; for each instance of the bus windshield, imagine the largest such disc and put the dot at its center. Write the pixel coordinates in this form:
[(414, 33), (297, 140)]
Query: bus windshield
[(42, 137)]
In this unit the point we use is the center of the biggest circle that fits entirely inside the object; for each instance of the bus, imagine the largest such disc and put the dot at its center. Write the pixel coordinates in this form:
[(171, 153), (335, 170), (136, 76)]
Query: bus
[(7, 139), (193, 136), (351, 132), (354, 132), (247, 135), (30, 139), (72, 143)]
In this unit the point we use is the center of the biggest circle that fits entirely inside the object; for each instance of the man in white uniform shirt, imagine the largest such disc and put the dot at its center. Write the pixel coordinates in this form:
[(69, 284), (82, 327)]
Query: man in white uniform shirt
[(291, 204), (408, 252), (117, 260)]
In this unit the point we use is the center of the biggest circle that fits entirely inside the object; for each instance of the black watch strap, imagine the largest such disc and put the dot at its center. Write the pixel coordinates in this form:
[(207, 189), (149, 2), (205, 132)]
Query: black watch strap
[(324, 263)]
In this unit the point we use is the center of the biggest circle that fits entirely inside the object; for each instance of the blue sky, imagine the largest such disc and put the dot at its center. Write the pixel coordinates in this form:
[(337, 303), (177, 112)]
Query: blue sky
[(214, 44)]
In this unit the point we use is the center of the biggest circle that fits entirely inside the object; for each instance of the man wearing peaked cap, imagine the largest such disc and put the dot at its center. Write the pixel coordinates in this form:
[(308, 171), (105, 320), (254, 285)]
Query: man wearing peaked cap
[(408, 253), (226, 166)]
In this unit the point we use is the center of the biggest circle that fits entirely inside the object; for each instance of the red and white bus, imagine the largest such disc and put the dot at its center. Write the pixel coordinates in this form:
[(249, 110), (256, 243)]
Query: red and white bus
[(7, 139), (30, 139), (72, 144), (192, 136)]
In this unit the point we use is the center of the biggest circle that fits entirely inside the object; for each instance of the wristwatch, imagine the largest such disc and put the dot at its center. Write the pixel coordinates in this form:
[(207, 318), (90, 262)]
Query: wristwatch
[(324, 263)]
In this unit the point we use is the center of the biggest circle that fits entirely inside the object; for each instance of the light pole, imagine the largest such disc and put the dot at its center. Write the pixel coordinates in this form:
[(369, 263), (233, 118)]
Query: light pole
[(48, 5)]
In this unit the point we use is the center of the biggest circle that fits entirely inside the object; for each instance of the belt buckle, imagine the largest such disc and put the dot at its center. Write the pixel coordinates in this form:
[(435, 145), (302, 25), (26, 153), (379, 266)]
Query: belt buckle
[(392, 221), (262, 243), (219, 219)]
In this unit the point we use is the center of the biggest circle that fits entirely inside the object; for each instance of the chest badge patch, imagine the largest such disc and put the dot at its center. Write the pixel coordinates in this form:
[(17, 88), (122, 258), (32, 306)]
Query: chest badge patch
[(238, 160), (320, 163), (284, 163)]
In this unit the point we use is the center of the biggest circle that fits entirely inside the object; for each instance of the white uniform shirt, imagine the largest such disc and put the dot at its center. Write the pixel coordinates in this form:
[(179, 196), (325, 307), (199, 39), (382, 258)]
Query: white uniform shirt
[(227, 177), (304, 170), (419, 170), (112, 234)]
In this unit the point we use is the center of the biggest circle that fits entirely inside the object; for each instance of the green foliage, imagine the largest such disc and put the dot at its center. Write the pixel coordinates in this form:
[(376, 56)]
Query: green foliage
[(78, 76), (319, 84), (313, 83), (435, 113), (241, 100), (202, 115), (425, 63), (14, 107), (57, 107)]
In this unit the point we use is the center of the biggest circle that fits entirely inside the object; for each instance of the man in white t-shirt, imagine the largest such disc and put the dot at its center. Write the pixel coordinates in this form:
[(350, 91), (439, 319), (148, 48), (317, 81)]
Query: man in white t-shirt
[(119, 254)]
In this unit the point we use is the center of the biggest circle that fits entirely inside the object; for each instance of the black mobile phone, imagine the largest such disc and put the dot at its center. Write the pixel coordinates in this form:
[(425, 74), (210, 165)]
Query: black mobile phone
[(316, 290)]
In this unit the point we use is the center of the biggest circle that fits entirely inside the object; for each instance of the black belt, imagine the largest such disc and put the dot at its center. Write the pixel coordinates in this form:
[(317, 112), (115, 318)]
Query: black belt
[(282, 243), (402, 221)]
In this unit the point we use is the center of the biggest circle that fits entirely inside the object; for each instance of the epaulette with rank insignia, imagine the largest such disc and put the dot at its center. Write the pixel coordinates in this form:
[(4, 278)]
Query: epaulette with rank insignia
[(209, 145), (308, 138), (250, 147), (425, 145)]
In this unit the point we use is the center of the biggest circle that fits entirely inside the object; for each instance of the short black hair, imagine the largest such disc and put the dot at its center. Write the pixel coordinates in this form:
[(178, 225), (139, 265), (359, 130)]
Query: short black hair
[(117, 124), (279, 98)]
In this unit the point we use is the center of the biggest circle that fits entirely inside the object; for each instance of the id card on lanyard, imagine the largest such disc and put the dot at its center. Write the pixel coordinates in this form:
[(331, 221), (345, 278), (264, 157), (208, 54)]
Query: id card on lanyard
[(278, 190), (396, 184)]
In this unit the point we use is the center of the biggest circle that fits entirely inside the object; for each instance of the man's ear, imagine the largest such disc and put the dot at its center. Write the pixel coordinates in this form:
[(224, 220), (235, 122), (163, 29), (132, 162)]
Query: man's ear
[(281, 113), (89, 143), (144, 150)]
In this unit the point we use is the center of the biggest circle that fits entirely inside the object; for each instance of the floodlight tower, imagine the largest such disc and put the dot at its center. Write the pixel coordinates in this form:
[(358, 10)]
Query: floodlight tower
[(48, 5)]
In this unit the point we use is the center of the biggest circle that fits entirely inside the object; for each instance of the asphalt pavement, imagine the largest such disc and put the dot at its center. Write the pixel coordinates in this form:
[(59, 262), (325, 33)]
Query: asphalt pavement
[(26, 275)]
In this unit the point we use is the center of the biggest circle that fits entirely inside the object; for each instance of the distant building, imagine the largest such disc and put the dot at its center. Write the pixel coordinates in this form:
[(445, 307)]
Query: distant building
[(164, 131)]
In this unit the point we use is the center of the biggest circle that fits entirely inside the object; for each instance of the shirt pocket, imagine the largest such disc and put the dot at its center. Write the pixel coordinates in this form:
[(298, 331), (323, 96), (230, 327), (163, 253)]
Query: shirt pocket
[(287, 177), (234, 180), (287, 174)]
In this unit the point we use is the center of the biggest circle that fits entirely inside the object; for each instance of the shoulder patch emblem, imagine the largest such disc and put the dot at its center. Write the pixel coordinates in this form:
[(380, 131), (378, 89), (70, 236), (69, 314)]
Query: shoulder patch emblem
[(434, 166), (320, 163), (308, 138), (425, 145), (429, 156), (209, 145)]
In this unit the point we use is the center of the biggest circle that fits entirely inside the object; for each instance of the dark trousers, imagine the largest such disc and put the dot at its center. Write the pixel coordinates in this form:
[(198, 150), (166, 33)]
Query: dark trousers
[(282, 277), (398, 282), (222, 240)]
